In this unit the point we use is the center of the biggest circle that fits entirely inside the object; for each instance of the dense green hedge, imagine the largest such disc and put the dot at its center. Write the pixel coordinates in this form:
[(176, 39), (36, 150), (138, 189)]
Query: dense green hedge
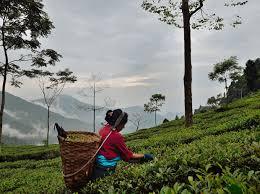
[(13, 153)]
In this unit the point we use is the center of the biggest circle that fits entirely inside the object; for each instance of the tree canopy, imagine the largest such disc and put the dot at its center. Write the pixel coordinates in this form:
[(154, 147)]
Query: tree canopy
[(225, 70), (156, 101), (184, 14), (22, 24)]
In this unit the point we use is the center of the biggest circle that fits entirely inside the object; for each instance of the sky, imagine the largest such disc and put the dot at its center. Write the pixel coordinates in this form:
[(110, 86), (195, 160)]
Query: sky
[(137, 55)]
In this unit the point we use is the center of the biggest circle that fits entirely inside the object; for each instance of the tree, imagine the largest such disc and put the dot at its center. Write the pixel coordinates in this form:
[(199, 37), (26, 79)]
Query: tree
[(214, 102), (165, 120), (180, 13), (95, 86), (51, 86), (226, 70), (237, 89), (156, 101), (252, 74), (137, 119), (22, 24)]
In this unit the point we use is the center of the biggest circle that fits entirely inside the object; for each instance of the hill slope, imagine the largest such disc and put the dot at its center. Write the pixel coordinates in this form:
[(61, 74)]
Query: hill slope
[(69, 107), (219, 154), (25, 122)]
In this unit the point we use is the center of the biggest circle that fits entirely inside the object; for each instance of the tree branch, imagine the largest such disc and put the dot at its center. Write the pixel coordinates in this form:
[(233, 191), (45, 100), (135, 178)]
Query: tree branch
[(133, 122), (42, 87), (57, 92), (21, 59), (197, 9)]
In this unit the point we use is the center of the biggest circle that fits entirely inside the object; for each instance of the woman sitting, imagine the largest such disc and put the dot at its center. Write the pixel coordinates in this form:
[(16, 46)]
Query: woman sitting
[(114, 148)]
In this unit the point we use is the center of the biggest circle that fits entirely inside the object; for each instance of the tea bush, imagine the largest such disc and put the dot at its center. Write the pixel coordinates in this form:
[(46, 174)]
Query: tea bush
[(220, 153)]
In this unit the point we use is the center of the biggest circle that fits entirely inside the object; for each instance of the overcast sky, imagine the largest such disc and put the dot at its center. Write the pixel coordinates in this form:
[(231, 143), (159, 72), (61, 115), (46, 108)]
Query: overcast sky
[(138, 55)]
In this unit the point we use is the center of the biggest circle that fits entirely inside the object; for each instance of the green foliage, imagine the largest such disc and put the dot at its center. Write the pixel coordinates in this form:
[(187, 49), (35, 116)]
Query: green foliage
[(170, 13), (156, 101), (252, 74), (237, 89), (14, 153), (227, 69), (219, 154), (214, 102), (23, 24), (183, 14), (29, 176)]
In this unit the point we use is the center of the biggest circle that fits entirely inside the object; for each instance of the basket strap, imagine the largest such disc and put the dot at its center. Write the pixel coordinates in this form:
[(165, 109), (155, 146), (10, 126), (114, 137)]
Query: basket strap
[(72, 174), (119, 119)]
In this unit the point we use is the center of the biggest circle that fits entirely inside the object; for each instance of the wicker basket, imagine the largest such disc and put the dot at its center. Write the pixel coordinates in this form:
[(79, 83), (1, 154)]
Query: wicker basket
[(75, 155)]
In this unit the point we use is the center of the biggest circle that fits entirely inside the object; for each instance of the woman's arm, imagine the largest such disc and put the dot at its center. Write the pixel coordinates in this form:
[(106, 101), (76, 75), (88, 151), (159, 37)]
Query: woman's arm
[(127, 154), (136, 156)]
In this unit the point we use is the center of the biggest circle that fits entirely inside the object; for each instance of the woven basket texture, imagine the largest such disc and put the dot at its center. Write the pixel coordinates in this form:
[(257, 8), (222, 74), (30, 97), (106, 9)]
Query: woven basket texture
[(75, 155)]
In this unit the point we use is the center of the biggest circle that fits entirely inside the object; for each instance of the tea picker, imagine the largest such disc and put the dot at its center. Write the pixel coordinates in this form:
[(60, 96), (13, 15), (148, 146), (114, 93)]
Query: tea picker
[(88, 156)]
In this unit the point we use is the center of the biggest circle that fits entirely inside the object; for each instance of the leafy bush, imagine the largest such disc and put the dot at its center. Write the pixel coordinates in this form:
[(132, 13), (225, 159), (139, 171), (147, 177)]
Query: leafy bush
[(13, 153)]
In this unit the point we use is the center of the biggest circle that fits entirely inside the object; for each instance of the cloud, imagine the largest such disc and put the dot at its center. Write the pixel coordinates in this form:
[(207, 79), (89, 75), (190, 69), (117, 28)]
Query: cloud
[(119, 81), (8, 131), (138, 54)]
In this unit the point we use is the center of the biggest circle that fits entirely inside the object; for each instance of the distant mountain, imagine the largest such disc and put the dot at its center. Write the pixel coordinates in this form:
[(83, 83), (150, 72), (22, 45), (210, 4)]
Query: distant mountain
[(147, 119), (26, 122), (171, 116), (69, 106)]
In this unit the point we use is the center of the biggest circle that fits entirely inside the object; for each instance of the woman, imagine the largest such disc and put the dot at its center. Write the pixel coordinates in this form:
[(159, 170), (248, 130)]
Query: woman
[(114, 148)]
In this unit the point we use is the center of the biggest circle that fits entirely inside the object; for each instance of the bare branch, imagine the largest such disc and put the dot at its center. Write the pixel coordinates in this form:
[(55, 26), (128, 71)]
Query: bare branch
[(42, 88), (198, 8), (85, 108), (22, 59), (100, 108), (57, 92), (137, 119)]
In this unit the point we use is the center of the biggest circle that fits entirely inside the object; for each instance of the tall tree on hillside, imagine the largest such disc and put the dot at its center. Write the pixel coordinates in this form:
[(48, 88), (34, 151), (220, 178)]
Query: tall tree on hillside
[(226, 70), (156, 101), (252, 74), (184, 14), (94, 87), (237, 89), (22, 24), (51, 86)]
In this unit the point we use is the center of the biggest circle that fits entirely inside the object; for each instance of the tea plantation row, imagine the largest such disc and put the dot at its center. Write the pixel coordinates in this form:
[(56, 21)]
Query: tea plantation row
[(219, 154)]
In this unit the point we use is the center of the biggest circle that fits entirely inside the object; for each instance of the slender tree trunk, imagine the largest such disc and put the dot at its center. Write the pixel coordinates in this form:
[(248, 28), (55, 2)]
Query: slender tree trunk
[(48, 129), (3, 85), (155, 118), (226, 90), (94, 116), (188, 66), (225, 95)]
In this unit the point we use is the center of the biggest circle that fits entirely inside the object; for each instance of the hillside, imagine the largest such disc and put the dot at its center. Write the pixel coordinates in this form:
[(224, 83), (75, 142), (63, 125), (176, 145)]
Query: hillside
[(25, 122), (70, 107), (219, 154)]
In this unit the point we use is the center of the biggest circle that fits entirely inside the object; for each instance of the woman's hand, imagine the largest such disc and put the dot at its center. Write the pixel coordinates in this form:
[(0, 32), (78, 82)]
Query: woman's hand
[(148, 157), (140, 158)]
